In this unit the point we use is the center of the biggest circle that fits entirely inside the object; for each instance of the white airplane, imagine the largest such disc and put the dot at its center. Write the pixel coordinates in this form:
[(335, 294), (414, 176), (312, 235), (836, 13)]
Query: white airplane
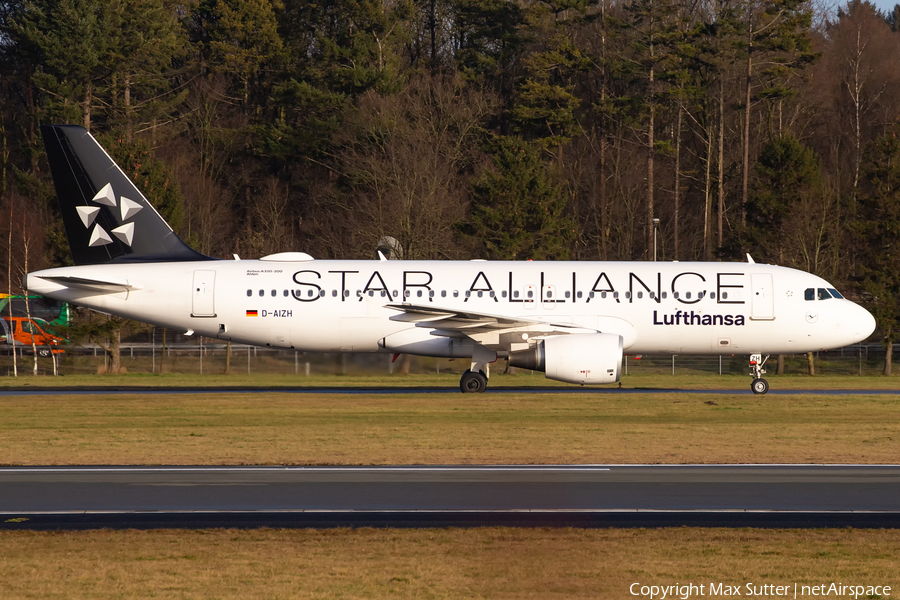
[(571, 320)]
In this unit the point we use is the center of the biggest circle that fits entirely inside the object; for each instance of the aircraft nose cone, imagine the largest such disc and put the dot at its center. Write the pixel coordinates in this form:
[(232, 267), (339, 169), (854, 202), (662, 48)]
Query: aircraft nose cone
[(865, 323)]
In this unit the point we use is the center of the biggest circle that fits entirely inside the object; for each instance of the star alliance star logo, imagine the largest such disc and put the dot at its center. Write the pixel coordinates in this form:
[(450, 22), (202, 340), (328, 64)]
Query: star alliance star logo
[(106, 197)]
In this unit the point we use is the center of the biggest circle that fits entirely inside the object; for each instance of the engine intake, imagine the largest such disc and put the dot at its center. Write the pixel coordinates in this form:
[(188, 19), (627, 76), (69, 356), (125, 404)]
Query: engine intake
[(578, 358)]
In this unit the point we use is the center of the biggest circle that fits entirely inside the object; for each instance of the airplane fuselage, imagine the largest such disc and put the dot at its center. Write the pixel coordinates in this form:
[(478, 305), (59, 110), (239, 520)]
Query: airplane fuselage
[(346, 306)]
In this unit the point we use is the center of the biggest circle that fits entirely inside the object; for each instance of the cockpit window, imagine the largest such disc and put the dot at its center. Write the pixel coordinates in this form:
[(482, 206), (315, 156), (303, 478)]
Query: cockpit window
[(809, 294), (823, 294), (835, 293)]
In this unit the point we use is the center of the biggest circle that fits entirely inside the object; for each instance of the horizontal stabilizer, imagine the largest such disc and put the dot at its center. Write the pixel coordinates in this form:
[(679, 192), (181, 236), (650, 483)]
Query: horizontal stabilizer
[(90, 283)]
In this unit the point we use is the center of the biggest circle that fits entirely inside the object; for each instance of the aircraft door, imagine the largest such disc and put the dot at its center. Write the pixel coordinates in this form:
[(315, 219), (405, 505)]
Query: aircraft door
[(763, 302), (204, 294)]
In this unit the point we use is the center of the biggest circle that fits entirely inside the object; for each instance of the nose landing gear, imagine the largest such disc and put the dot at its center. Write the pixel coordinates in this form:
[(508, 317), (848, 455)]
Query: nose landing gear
[(759, 385)]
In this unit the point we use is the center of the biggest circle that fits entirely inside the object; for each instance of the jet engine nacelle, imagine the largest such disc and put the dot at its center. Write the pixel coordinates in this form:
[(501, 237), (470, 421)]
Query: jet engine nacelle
[(577, 358)]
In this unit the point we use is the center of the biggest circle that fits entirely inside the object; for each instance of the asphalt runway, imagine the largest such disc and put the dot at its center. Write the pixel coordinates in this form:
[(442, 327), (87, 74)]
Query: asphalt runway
[(67, 391), (440, 496)]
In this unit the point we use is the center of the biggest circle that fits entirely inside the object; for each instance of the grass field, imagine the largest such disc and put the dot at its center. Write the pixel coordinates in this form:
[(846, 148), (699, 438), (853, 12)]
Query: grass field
[(454, 563), (650, 381), (275, 427), (499, 428)]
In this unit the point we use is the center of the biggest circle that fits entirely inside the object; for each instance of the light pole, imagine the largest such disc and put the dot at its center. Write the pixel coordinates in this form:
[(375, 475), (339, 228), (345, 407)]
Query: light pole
[(655, 228)]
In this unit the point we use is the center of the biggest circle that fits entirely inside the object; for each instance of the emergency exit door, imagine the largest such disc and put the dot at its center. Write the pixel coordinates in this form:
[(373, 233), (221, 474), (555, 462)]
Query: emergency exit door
[(204, 294)]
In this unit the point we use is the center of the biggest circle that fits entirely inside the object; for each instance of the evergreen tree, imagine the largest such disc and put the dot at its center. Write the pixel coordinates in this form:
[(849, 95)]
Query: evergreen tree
[(518, 212), (879, 235), (787, 172)]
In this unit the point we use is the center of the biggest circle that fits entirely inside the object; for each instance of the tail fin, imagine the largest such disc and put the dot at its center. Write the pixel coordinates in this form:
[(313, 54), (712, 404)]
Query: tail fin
[(106, 218)]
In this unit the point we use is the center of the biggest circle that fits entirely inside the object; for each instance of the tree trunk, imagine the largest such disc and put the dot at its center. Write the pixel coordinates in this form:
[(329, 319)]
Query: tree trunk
[(9, 289), (677, 190), (720, 240), (746, 160), (228, 358), (406, 364), (780, 369), (650, 157), (707, 200), (162, 360), (86, 109), (888, 349), (129, 124), (810, 364), (30, 322)]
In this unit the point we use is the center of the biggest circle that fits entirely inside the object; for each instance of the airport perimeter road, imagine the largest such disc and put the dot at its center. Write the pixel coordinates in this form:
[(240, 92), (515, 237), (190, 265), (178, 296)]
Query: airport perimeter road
[(411, 496)]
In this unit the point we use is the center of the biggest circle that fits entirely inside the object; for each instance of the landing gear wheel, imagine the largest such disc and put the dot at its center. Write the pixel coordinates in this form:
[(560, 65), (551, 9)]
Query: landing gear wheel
[(472, 383), (759, 386)]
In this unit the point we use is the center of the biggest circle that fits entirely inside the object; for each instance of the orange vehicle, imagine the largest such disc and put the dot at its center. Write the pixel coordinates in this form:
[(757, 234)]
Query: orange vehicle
[(22, 331)]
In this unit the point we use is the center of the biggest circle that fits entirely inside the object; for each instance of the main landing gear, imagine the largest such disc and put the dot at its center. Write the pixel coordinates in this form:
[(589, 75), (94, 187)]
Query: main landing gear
[(472, 382), (759, 385)]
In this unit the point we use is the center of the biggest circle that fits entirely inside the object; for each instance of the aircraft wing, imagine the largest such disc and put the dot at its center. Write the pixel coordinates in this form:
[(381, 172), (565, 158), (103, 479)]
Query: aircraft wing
[(494, 331)]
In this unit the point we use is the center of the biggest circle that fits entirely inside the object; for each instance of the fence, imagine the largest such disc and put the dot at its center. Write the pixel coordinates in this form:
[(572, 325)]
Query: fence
[(204, 356)]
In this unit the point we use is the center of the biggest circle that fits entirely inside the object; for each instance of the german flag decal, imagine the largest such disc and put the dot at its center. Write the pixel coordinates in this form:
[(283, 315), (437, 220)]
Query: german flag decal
[(252, 313)]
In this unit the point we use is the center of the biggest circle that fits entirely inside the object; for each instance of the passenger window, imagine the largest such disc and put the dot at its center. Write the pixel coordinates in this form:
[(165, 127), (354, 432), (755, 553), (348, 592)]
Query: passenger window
[(616, 295), (809, 294), (712, 295), (346, 293), (628, 295), (321, 293), (443, 293), (468, 293), (591, 294), (663, 295), (503, 293), (419, 293), (578, 295), (640, 295), (724, 295), (275, 293), (456, 293), (549, 294), (262, 293), (249, 293), (823, 294), (395, 293), (675, 294), (687, 295), (480, 294), (371, 293), (491, 293), (334, 293), (516, 294), (652, 295), (383, 293), (285, 293), (602, 294), (530, 294), (567, 294), (431, 293), (309, 293)]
